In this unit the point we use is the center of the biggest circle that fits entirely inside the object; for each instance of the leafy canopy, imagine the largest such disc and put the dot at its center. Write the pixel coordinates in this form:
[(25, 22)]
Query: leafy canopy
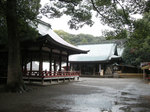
[(109, 35), (79, 11), (27, 12), (115, 13), (138, 47)]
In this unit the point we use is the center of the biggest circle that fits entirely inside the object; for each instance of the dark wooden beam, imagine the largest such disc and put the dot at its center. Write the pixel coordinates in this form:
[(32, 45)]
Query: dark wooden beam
[(40, 61), (31, 65), (50, 60), (54, 66), (67, 62), (60, 60)]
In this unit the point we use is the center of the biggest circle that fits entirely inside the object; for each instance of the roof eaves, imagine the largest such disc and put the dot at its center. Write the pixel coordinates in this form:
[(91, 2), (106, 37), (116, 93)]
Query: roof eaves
[(97, 61), (49, 38)]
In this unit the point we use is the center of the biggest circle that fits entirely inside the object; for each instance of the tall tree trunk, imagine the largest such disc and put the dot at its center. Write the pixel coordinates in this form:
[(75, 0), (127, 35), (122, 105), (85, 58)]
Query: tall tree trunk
[(14, 79)]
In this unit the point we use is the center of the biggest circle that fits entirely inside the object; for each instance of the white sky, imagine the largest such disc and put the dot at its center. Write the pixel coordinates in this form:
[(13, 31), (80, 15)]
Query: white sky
[(61, 24)]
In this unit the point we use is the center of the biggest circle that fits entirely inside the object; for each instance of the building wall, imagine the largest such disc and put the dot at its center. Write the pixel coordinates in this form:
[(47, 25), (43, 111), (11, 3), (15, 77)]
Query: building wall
[(92, 68)]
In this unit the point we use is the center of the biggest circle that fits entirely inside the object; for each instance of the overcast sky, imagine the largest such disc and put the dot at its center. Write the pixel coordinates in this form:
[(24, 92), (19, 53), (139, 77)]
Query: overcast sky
[(61, 24)]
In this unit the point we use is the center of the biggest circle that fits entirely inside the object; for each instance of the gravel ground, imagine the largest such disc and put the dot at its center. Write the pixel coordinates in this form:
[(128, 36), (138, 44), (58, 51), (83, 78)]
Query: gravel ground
[(86, 95)]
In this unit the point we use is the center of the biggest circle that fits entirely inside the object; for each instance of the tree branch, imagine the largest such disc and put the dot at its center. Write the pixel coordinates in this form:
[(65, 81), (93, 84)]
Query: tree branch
[(98, 10), (75, 3), (116, 12), (125, 15)]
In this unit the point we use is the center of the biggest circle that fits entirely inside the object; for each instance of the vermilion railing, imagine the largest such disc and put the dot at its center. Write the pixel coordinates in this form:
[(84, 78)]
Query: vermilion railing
[(50, 73)]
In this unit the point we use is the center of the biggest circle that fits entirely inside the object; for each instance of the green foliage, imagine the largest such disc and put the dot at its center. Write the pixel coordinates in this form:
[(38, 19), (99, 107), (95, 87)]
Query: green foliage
[(79, 11), (28, 9), (3, 26), (27, 12), (3, 30), (135, 55), (79, 39), (115, 34), (138, 47), (147, 8), (103, 2), (115, 13)]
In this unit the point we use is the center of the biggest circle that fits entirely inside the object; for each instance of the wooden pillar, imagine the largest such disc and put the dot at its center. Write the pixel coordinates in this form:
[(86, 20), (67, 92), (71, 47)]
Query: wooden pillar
[(80, 68), (143, 74), (50, 61), (60, 60), (70, 67), (22, 62), (25, 67), (31, 65), (100, 69), (104, 69), (54, 66), (30, 73), (40, 67), (94, 69), (67, 63), (40, 62)]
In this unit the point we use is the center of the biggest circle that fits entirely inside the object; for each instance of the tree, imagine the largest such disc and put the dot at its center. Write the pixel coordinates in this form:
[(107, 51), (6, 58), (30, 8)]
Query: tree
[(115, 13), (122, 34), (80, 13), (16, 20), (138, 47), (14, 80)]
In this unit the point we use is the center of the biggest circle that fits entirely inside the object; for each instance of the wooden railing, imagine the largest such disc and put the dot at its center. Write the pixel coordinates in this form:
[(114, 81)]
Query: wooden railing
[(50, 73)]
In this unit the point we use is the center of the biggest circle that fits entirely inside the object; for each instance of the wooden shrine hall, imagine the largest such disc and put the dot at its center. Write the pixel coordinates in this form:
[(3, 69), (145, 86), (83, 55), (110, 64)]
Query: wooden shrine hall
[(48, 47)]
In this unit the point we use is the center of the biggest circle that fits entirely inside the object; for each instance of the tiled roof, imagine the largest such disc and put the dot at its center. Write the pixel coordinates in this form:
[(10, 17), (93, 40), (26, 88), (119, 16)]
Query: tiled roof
[(98, 52)]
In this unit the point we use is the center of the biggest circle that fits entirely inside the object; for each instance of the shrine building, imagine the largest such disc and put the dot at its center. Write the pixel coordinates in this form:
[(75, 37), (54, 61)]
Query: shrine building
[(48, 47)]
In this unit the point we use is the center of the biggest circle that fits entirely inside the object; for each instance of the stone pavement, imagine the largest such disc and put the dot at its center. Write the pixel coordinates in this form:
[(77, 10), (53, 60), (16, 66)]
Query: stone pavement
[(86, 95)]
